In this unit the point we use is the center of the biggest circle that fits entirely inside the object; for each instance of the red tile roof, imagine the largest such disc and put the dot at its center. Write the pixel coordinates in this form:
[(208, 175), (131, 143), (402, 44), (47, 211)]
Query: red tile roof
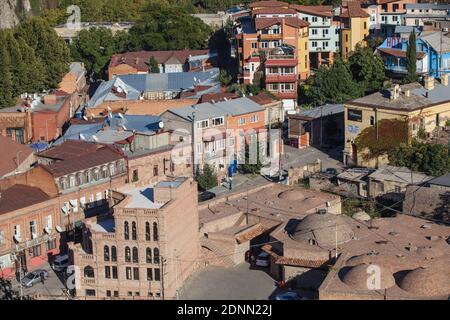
[(273, 11), (323, 11), (399, 53), (208, 97), (72, 156), (261, 23), (354, 11), (317, 264), (20, 196), (263, 98), (139, 59), (10, 149), (267, 4)]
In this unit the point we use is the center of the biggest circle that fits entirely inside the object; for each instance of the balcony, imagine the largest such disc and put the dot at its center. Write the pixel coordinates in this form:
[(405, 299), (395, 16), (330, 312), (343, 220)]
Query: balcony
[(33, 242), (272, 78), (267, 36), (285, 95)]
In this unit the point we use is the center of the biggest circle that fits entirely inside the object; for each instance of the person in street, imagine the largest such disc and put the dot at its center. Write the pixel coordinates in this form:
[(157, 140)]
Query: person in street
[(42, 279)]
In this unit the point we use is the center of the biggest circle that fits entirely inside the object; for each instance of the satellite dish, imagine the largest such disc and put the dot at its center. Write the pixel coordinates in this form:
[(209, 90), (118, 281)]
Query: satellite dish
[(124, 128), (59, 229), (85, 118), (161, 124), (47, 230), (95, 138), (64, 210), (225, 98), (108, 108), (120, 115), (73, 203), (82, 137)]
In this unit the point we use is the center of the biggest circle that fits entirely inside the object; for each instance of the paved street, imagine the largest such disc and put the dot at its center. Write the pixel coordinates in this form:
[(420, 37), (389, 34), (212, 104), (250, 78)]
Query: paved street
[(237, 283), (53, 286)]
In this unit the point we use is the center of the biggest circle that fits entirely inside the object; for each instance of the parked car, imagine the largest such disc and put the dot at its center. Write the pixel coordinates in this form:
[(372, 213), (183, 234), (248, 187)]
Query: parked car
[(263, 259), (332, 171), (289, 295), (61, 262), (205, 196), (34, 277)]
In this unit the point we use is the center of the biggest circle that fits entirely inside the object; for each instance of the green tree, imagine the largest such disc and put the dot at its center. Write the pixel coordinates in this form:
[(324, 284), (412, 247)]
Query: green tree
[(224, 78), (153, 66), (250, 165), (49, 48), (168, 27), (207, 179), (367, 69), (94, 47), (433, 159), (332, 84), (411, 59), (6, 79)]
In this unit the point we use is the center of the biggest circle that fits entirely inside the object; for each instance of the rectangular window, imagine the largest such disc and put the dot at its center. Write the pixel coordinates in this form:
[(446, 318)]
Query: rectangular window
[(74, 205), (2, 237), (36, 251), (217, 121), (149, 274), (354, 115), (128, 273), (254, 45), (33, 229), (49, 222), (136, 273), (157, 274), (99, 198), (254, 118), (107, 272), (83, 202), (51, 244), (241, 121), (314, 31), (116, 294), (314, 19), (114, 272), (90, 293), (155, 171), (203, 124), (108, 293), (17, 233)]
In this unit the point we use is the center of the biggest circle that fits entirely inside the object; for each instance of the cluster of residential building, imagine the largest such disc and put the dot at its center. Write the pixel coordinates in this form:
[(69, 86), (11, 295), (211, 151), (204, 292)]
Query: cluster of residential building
[(108, 179)]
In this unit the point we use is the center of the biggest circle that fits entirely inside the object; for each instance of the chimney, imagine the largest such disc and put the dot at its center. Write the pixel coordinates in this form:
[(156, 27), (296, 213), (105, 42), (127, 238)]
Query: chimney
[(428, 82), (407, 93), (395, 92), (444, 79), (50, 99)]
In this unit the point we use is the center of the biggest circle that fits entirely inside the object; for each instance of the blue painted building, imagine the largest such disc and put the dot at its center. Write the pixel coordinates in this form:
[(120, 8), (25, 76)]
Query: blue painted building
[(433, 54)]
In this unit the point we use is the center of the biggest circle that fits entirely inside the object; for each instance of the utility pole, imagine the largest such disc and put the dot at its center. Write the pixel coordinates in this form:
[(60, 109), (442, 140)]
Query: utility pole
[(176, 272), (336, 236)]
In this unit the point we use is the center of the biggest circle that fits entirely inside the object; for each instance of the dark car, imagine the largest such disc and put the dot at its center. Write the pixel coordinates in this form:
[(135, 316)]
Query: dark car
[(205, 196), (34, 277), (332, 171)]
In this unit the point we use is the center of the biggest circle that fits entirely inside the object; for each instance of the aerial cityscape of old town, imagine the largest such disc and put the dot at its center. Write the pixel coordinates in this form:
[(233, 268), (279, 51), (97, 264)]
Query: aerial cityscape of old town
[(224, 150)]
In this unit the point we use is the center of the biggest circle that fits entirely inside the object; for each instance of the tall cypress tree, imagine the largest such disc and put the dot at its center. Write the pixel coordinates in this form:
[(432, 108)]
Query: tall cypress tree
[(411, 59), (6, 84)]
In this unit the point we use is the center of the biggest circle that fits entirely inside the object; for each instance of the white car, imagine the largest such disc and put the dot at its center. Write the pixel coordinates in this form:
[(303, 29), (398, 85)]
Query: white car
[(263, 259), (61, 263)]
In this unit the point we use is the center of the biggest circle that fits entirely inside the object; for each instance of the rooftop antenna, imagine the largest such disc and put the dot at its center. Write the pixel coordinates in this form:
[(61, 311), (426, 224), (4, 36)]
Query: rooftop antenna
[(82, 137), (120, 115)]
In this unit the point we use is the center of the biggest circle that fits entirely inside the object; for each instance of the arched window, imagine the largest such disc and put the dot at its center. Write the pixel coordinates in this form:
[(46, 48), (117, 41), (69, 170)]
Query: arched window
[(112, 169), (71, 181), (126, 231), (148, 255), (63, 183), (155, 231), (106, 253), (96, 173), (147, 231), (113, 254), (119, 166), (127, 254), (87, 176), (80, 179), (135, 255), (156, 255), (104, 172), (133, 231), (89, 272)]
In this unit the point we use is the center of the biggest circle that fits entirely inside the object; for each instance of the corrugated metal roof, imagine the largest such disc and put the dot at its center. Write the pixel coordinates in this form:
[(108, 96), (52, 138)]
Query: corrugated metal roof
[(324, 110)]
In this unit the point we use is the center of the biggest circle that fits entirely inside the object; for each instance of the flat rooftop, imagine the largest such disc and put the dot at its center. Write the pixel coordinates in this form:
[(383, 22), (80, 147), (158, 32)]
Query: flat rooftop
[(105, 226), (140, 197)]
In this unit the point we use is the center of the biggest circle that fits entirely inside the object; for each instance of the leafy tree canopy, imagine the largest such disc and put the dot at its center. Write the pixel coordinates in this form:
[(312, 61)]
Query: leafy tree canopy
[(207, 179), (367, 69)]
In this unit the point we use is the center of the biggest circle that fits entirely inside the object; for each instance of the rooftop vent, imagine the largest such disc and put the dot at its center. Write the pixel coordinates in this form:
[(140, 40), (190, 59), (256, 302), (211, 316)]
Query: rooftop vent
[(322, 211), (428, 82)]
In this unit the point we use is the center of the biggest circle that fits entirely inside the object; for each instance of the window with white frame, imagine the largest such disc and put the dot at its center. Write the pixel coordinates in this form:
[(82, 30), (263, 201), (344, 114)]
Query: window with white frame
[(264, 44), (99, 198), (219, 144), (199, 147), (217, 121), (71, 181), (2, 237), (314, 44), (17, 232), (203, 124), (286, 87), (74, 204), (314, 31), (33, 229), (314, 19), (91, 201), (49, 222), (241, 121), (254, 45), (254, 118), (230, 141), (83, 202), (273, 87)]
